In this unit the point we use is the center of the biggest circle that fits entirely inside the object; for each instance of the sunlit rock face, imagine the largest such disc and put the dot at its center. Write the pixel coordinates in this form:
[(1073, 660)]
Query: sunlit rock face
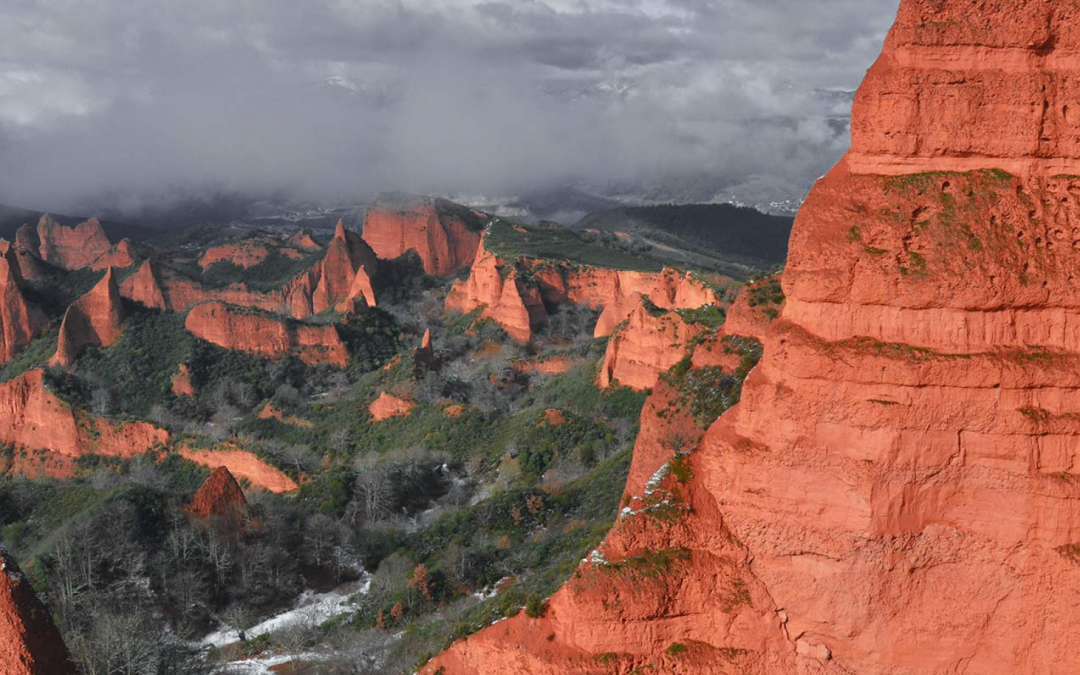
[(898, 492)]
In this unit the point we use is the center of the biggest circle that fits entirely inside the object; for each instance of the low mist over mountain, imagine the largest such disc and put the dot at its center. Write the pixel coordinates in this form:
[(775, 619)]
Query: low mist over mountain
[(640, 100)]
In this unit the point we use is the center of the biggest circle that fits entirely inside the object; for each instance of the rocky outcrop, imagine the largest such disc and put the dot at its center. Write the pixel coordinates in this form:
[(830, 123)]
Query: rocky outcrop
[(435, 229), (30, 644), (424, 355), (387, 405), (651, 342), (181, 382), (244, 254), (897, 491), (241, 463), (33, 418), (509, 302), (256, 332), (270, 412), (345, 255), (79, 247), (303, 240), (219, 496), (20, 322), (94, 320), (361, 294), (144, 288), (550, 365)]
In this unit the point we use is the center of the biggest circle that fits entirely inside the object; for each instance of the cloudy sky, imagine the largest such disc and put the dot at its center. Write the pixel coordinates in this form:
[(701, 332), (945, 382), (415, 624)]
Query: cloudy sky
[(338, 99)]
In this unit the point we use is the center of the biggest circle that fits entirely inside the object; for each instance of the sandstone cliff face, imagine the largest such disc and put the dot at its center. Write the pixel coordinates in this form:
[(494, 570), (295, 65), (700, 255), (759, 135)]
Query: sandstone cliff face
[(84, 245), (30, 644), (20, 322), (94, 320), (243, 464), (897, 489), (443, 241), (33, 418), (219, 496), (651, 342), (258, 333), (516, 307)]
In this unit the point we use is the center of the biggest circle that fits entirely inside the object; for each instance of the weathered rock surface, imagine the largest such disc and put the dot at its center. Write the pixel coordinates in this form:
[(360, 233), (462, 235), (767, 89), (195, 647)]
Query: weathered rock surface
[(897, 492), (269, 412), (241, 463), (84, 245), (387, 405), (443, 240), (20, 322), (260, 333), (513, 305), (94, 320), (361, 294), (33, 418), (651, 342), (219, 496), (30, 644), (345, 255)]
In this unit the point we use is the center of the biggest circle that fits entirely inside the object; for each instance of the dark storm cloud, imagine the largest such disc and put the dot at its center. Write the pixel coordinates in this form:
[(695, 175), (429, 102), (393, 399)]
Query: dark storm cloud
[(342, 98)]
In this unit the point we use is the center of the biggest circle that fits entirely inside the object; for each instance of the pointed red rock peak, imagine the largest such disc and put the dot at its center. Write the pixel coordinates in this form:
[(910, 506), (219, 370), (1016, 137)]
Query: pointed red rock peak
[(339, 231), (30, 644), (425, 355), (20, 322), (425, 343), (517, 308), (361, 294), (73, 247), (219, 497), (95, 320), (144, 288)]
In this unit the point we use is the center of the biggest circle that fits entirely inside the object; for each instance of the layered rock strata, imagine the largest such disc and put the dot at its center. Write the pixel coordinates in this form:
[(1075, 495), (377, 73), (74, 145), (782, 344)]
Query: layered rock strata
[(442, 239)]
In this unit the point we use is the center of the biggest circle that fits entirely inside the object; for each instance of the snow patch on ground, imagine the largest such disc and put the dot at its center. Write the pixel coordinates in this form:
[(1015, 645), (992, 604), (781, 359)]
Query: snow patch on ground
[(311, 609)]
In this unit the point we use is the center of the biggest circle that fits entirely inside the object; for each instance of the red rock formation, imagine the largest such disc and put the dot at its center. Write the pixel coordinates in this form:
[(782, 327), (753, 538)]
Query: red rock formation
[(361, 295), (30, 644), (243, 464), (20, 322), (243, 254), (84, 245), (897, 490), (144, 288), (388, 405), (651, 343), (94, 320), (303, 240), (444, 242), (259, 333), (32, 417), (219, 496), (269, 412), (517, 308), (346, 254), (181, 382), (551, 365), (26, 238), (424, 355)]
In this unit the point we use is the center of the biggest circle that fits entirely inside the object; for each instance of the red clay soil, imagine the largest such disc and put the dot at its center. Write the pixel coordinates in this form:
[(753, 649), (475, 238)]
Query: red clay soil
[(181, 382), (241, 463), (387, 405), (897, 492), (30, 644)]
